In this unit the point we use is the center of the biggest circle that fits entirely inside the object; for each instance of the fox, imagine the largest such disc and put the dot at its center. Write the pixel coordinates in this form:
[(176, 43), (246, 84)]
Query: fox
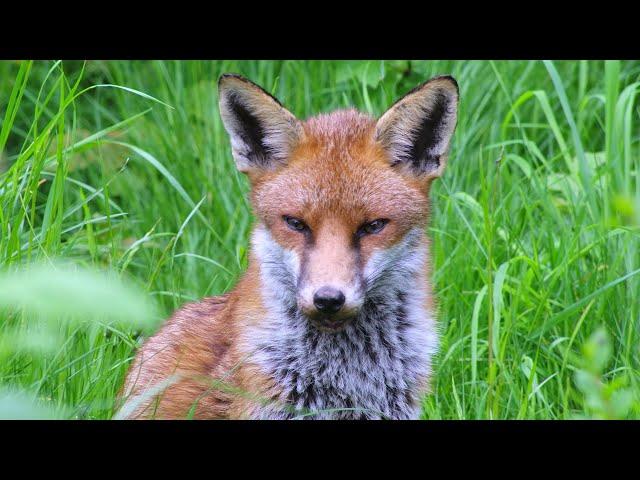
[(335, 315)]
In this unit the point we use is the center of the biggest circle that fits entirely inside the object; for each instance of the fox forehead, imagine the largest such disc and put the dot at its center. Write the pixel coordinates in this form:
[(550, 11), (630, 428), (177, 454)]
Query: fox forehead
[(339, 170)]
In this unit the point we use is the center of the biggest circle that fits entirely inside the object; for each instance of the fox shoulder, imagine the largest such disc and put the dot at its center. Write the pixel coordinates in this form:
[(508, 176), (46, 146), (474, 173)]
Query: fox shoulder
[(171, 368)]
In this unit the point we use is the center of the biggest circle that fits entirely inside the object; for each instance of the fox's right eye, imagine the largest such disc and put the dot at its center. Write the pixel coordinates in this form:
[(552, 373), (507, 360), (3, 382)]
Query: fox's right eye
[(295, 223)]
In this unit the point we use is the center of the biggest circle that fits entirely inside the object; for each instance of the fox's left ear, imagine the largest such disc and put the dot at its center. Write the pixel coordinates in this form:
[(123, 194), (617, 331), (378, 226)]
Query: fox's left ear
[(262, 131), (417, 129)]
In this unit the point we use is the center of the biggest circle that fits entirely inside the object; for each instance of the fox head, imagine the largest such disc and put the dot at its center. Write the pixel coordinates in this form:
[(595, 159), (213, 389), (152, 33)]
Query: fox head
[(341, 199)]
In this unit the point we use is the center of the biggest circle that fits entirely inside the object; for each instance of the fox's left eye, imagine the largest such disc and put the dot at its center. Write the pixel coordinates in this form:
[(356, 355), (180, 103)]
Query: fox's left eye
[(295, 223), (372, 227)]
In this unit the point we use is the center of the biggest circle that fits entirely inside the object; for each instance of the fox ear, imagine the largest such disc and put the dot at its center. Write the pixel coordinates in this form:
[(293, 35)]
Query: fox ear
[(417, 129), (262, 131)]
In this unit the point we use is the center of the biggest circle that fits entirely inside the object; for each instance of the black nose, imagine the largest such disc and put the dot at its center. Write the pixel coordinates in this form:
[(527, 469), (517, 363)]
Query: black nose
[(328, 299)]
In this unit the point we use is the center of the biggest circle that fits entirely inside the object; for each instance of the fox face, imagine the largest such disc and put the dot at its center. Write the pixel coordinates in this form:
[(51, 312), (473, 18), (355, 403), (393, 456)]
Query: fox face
[(341, 199)]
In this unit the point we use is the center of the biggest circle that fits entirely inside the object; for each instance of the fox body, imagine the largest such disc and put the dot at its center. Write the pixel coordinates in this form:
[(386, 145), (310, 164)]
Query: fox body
[(335, 317)]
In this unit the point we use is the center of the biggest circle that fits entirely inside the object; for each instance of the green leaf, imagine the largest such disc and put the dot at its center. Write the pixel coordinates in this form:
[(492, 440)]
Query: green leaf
[(72, 293)]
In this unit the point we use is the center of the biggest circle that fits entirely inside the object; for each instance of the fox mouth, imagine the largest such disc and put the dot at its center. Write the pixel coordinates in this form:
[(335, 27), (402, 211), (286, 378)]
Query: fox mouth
[(331, 324)]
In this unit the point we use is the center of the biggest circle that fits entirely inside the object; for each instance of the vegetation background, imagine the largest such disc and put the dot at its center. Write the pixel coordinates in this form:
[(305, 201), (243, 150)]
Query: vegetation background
[(119, 201)]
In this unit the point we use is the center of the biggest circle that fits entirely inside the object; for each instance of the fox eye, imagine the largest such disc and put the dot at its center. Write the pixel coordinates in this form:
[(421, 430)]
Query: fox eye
[(372, 227), (295, 223)]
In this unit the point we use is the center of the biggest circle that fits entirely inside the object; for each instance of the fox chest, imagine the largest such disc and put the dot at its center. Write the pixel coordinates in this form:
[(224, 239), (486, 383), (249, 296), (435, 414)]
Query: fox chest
[(377, 368)]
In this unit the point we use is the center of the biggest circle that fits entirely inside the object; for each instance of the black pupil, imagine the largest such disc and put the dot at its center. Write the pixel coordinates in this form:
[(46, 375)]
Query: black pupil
[(295, 223), (374, 226)]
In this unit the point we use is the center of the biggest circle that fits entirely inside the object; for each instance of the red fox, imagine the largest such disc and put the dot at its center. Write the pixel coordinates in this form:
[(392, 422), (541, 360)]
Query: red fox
[(335, 316)]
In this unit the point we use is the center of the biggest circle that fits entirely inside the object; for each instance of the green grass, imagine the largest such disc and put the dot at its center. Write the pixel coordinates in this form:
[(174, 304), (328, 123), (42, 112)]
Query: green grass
[(125, 167)]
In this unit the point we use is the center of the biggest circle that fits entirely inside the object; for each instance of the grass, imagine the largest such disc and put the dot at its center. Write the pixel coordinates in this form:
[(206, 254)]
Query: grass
[(124, 167)]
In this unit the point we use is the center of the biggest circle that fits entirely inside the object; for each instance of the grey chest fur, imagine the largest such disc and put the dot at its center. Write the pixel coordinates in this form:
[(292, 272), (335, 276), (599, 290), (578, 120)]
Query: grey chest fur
[(373, 369)]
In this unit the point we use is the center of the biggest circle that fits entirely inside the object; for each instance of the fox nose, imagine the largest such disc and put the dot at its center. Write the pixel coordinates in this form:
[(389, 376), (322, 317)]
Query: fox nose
[(328, 299)]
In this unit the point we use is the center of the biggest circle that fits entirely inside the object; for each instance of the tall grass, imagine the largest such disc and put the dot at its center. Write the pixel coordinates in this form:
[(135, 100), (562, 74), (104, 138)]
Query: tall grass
[(125, 167)]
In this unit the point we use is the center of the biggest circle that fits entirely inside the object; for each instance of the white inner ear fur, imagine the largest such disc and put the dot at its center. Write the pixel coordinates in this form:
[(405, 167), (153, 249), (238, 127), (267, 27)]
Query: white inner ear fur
[(401, 129), (262, 132)]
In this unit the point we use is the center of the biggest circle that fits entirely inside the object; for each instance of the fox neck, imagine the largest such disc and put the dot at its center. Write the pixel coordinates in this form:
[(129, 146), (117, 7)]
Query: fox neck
[(377, 367)]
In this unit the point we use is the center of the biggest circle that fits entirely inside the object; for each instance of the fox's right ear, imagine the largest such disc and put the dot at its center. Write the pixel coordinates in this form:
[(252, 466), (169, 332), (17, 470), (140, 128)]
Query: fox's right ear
[(262, 131)]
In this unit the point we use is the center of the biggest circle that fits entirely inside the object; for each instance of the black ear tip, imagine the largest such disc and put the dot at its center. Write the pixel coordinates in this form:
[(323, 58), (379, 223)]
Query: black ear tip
[(243, 83), (446, 78), (225, 77)]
